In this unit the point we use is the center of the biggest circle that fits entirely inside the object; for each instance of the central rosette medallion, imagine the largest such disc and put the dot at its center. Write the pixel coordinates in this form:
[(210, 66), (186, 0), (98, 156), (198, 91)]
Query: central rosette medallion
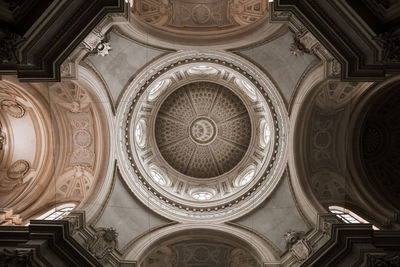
[(203, 129)]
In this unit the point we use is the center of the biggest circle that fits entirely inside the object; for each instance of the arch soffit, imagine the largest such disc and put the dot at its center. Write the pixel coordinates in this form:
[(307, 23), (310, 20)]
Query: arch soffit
[(334, 97), (382, 211), (95, 85), (35, 105), (257, 246)]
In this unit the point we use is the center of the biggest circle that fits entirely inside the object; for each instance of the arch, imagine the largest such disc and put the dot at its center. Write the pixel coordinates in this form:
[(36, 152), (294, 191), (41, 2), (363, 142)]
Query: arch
[(28, 149), (307, 202), (383, 212), (90, 79), (263, 251)]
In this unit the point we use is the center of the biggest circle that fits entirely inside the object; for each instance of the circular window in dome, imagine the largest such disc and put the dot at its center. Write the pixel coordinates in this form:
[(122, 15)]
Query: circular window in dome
[(203, 129), (202, 196)]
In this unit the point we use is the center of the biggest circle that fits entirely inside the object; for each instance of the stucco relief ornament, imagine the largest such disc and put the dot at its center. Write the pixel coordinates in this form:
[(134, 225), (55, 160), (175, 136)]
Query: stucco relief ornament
[(15, 174), (297, 48), (103, 242), (298, 246), (2, 138), (103, 49), (18, 169), (13, 108)]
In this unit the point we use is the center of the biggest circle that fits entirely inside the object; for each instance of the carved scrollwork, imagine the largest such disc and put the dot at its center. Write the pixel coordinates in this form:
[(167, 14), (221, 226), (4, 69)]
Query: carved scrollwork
[(12, 107), (103, 242), (18, 169)]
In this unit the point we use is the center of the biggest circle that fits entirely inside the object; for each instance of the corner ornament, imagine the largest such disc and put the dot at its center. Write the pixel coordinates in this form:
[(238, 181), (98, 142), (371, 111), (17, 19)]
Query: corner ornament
[(103, 242), (298, 245)]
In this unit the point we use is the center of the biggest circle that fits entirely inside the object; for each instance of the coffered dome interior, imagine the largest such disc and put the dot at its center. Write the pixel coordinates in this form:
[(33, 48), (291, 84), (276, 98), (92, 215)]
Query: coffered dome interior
[(203, 129)]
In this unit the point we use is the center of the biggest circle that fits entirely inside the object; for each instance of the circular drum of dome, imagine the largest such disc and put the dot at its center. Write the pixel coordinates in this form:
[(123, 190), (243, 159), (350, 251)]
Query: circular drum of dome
[(203, 136)]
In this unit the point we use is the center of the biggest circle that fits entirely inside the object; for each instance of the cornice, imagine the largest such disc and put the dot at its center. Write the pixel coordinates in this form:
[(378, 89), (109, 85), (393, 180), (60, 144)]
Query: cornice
[(361, 55)]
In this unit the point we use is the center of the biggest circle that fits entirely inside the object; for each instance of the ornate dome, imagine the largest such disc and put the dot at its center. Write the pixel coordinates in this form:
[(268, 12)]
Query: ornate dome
[(203, 129), (203, 135)]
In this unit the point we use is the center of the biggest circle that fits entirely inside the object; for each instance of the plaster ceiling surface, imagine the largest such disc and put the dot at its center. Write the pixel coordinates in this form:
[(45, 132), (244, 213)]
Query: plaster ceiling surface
[(203, 129)]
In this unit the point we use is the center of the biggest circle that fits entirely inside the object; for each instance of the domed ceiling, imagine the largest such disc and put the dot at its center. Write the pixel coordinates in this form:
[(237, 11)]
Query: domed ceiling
[(200, 18), (203, 129), (202, 135)]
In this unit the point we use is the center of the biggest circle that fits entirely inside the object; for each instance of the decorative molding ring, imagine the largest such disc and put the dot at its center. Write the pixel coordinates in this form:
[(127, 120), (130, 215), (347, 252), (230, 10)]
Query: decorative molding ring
[(173, 202)]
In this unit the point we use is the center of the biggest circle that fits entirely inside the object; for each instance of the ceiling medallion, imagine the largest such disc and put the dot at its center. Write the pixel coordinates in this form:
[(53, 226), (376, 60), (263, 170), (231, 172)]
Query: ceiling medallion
[(203, 136)]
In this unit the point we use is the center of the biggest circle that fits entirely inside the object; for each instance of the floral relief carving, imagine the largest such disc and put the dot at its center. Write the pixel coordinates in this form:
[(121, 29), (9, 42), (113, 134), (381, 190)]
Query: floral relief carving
[(103, 242), (12, 107), (82, 137), (103, 48)]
